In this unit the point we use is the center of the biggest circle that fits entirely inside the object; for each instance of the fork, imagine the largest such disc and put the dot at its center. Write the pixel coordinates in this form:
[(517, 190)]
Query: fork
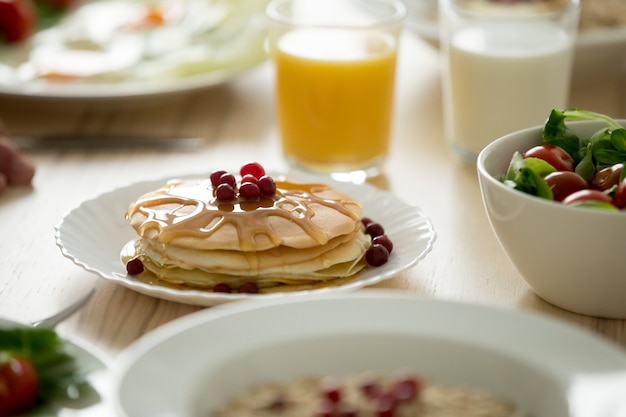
[(52, 321)]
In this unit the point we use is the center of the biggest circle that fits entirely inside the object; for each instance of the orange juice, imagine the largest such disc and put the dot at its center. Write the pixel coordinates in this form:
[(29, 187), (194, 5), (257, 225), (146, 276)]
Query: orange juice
[(334, 97)]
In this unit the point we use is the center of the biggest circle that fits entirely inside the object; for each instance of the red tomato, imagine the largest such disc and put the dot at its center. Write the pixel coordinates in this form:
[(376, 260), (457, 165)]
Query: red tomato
[(17, 19), (554, 155), (607, 177), (620, 195), (587, 195), (18, 386), (564, 183)]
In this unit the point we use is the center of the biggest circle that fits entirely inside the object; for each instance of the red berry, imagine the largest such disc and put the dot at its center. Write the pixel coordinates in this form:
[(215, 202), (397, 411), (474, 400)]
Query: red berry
[(253, 168), (229, 179), (215, 177), (134, 266), (385, 241), (249, 178), (248, 288), (249, 191), (377, 255), (385, 405), (371, 389), (224, 193), (221, 287), (374, 229), (331, 390), (406, 389), (267, 186), (366, 221)]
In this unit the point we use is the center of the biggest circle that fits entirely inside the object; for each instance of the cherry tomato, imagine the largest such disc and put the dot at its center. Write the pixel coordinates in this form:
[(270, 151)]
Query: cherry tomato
[(18, 386), (564, 183), (554, 155), (587, 195), (17, 20), (620, 195), (607, 177)]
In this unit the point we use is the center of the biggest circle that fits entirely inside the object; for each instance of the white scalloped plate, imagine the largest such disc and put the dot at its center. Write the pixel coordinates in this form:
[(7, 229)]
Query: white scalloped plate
[(93, 234)]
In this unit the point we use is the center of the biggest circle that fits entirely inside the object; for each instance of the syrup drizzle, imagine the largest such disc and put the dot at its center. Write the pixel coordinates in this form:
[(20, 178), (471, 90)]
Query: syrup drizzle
[(192, 210)]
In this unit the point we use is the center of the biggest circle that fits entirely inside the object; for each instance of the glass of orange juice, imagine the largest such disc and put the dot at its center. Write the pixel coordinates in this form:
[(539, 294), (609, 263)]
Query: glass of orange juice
[(335, 64)]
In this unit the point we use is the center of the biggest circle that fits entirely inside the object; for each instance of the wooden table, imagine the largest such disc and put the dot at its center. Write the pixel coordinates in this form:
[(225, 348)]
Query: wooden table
[(237, 122)]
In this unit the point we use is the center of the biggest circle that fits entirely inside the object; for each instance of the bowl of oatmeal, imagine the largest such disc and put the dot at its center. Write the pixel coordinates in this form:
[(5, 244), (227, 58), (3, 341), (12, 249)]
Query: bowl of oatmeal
[(260, 358)]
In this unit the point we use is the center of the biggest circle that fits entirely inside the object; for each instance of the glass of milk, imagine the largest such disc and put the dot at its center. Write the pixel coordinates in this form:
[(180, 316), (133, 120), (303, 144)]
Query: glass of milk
[(506, 64)]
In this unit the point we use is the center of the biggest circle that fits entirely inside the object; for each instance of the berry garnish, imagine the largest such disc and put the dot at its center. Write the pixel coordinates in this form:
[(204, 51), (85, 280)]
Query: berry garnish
[(385, 405), (249, 178), (134, 266), (249, 191), (227, 178), (377, 255), (374, 229), (224, 193), (330, 390), (253, 168), (215, 177), (221, 287), (267, 186), (371, 389), (406, 389), (249, 288), (385, 241), (366, 221)]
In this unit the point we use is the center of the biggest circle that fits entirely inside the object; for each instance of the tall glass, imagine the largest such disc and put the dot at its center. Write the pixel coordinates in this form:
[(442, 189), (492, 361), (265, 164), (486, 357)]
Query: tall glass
[(506, 64), (335, 63)]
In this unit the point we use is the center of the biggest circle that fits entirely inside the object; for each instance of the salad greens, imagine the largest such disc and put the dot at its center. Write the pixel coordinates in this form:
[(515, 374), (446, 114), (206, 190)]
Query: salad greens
[(60, 381), (604, 148)]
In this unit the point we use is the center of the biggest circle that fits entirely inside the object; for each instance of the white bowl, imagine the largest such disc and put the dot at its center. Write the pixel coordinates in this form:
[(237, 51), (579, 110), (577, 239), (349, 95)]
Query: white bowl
[(190, 366), (571, 257)]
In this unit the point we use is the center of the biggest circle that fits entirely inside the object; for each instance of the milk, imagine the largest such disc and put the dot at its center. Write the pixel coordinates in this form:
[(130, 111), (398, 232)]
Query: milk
[(503, 77)]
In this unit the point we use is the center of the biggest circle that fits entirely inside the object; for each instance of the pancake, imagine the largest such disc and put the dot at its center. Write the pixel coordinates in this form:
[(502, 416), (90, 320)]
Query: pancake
[(303, 235)]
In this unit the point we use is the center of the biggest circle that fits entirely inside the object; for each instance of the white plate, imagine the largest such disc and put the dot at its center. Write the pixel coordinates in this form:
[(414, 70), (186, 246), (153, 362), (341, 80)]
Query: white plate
[(191, 365), (93, 363), (211, 42), (93, 234)]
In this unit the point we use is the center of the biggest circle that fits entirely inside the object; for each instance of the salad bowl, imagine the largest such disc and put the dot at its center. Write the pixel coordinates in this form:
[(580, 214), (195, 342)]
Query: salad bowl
[(572, 257)]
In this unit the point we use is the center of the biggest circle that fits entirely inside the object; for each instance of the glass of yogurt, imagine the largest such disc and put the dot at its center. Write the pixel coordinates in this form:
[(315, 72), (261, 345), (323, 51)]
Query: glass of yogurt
[(506, 64)]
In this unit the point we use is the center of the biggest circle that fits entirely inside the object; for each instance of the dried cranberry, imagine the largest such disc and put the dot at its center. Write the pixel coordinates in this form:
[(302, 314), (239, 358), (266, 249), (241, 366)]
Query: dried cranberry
[(134, 266), (267, 186), (252, 168), (221, 287), (249, 178), (229, 179), (385, 241), (371, 389), (376, 255), (249, 191), (224, 193), (405, 389), (215, 177), (374, 229), (249, 288), (385, 405)]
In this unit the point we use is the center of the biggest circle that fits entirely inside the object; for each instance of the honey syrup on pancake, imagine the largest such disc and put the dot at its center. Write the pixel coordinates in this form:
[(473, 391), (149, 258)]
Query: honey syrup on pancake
[(196, 212)]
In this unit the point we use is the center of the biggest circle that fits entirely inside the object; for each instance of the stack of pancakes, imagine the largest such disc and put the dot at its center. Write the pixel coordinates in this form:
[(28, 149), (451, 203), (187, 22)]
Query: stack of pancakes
[(307, 235)]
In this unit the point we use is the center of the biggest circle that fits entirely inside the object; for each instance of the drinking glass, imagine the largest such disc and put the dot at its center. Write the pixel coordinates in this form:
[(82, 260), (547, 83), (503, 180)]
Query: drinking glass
[(506, 64), (335, 63)]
